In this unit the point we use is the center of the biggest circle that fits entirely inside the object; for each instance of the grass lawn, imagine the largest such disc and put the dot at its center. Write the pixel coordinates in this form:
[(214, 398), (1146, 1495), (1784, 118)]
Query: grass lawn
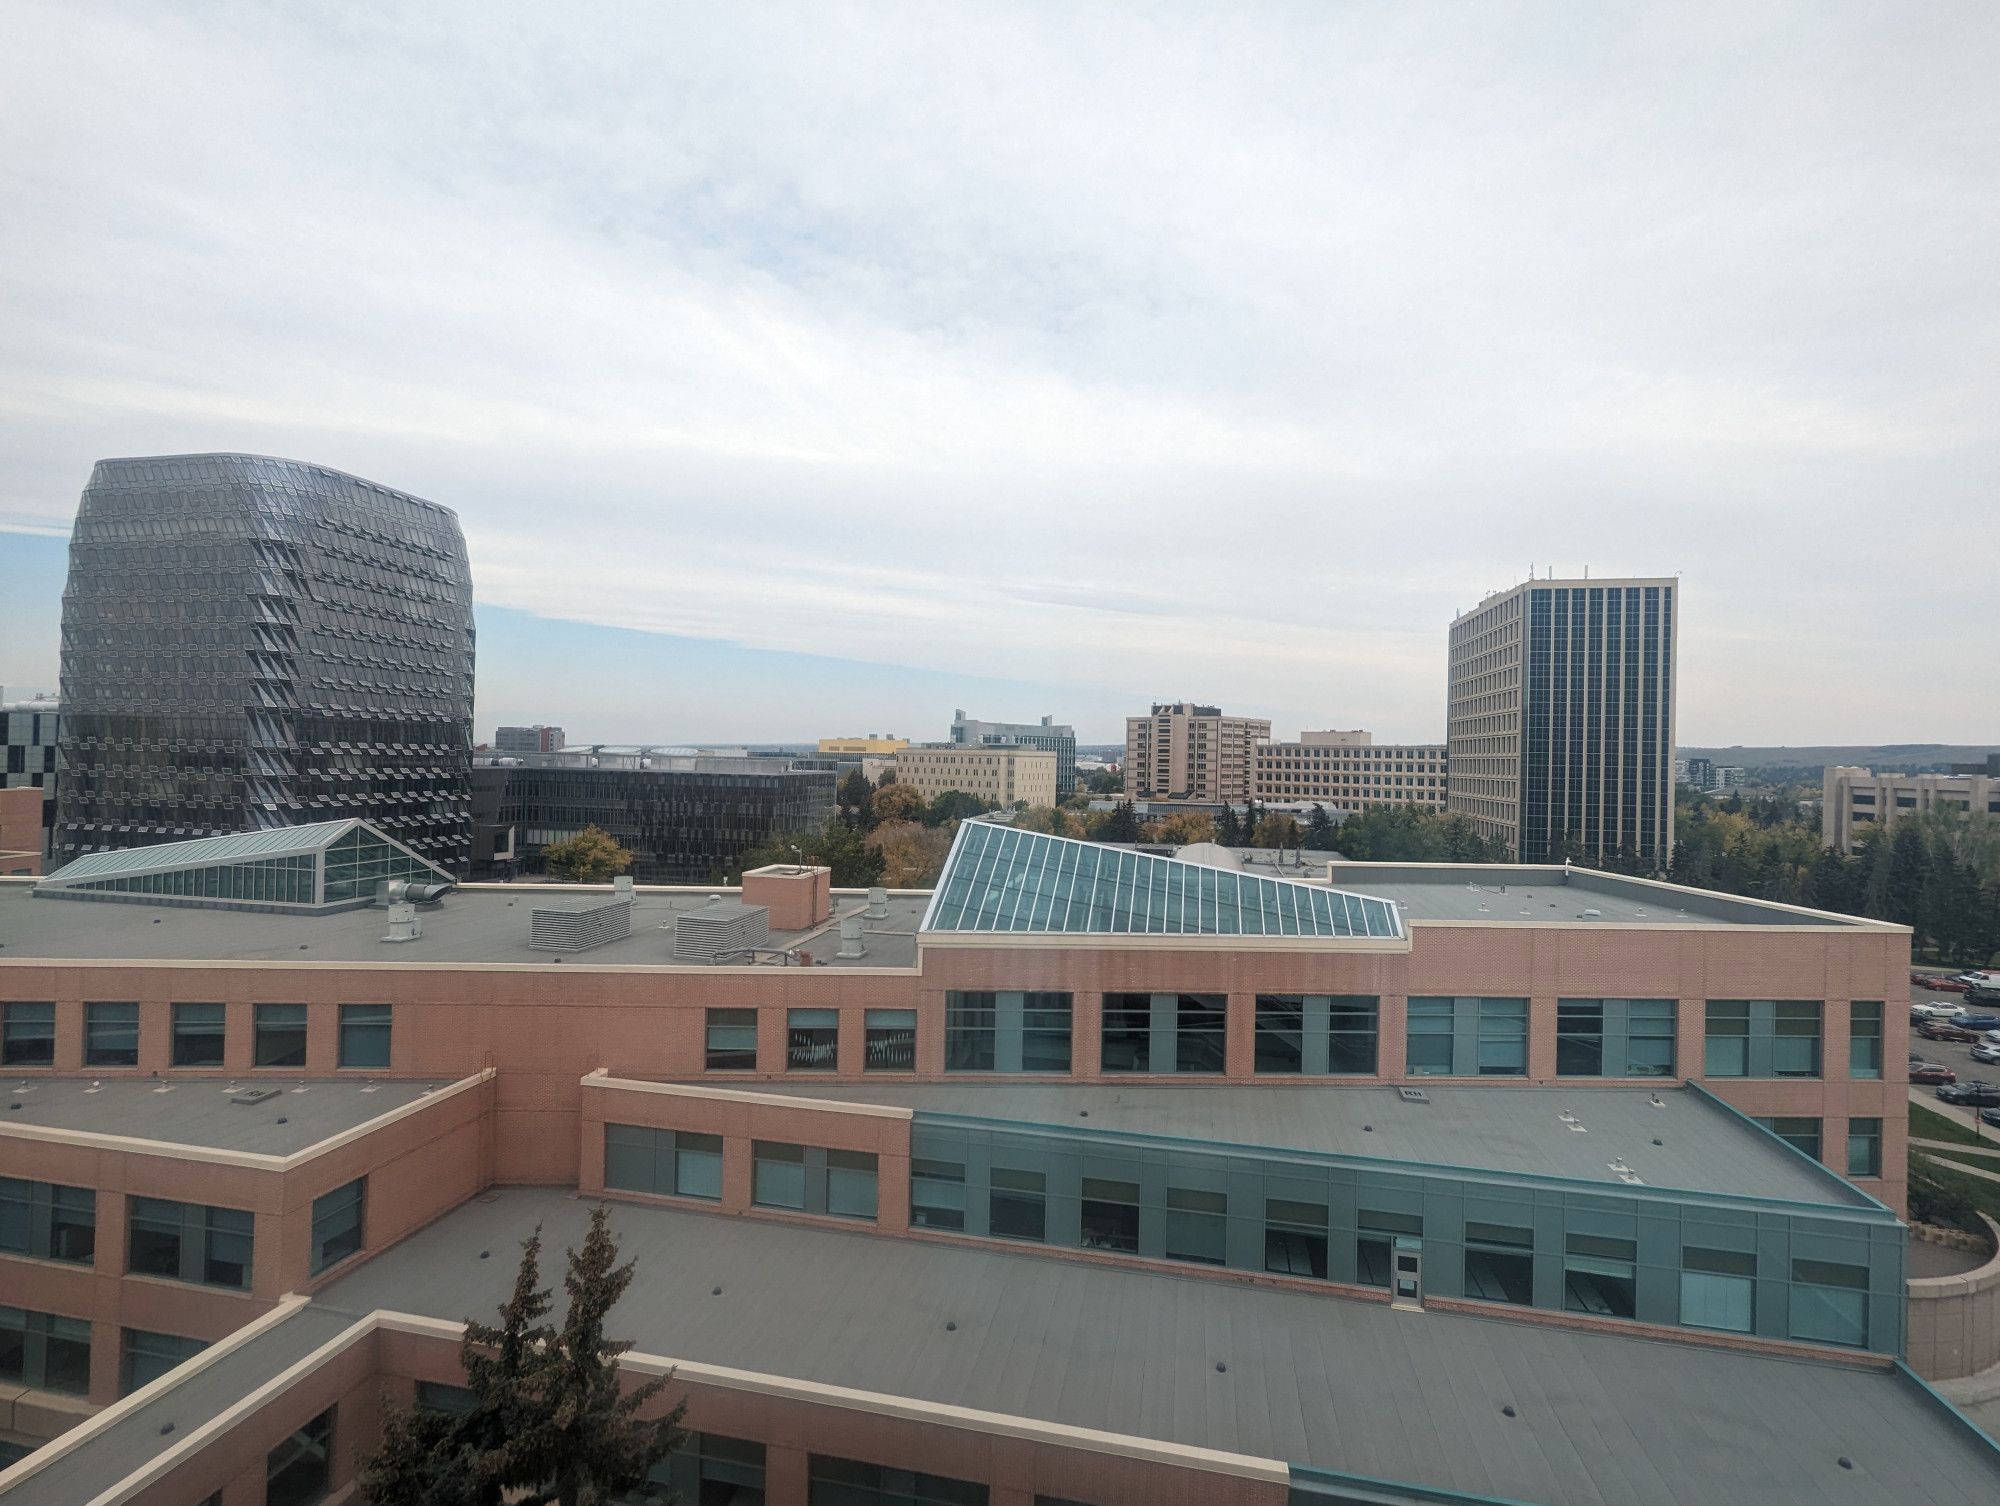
[(1929, 1124), (1978, 1191), (1987, 1160)]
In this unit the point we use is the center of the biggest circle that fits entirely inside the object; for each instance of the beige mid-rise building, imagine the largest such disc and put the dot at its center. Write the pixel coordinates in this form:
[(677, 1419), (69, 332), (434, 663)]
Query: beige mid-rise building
[(871, 746), (1856, 798), (1187, 752), (1347, 771), (1011, 776)]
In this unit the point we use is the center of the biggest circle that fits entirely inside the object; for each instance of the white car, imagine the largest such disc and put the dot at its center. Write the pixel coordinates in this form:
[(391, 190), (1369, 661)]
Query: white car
[(1986, 1051), (1921, 1011)]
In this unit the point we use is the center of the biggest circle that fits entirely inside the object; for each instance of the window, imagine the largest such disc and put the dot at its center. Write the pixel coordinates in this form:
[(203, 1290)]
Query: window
[(1375, 1236), (1045, 1032), (937, 1194), (1110, 1215), (189, 1242), (1281, 1033), (1295, 1237), (850, 1184), (148, 1356), (849, 1482), (677, 1162), (812, 1040), (1600, 1276), (1830, 1302), (1503, 1037), (1719, 1289), (970, 1031), (281, 1035), (27, 1035), (1864, 1147), (1727, 1049), (709, 1470), (1864, 1039), (44, 1350), (299, 1470), (697, 1165), (111, 1035), (1128, 1033), (1615, 1037), (364, 1036), (1467, 1037), (1315, 1034), (1018, 1204), (1201, 1036), (778, 1175), (1799, 1133), (48, 1221), (446, 1400), (891, 1040), (732, 1040), (198, 1035), (1351, 1026), (1499, 1263), (1579, 1038), (1197, 1225), (1650, 1028), (1795, 1051), (336, 1225), (1009, 1031)]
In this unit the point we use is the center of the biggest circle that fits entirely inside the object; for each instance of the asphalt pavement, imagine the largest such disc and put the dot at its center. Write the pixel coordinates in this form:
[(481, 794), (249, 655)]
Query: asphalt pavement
[(1956, 1055)]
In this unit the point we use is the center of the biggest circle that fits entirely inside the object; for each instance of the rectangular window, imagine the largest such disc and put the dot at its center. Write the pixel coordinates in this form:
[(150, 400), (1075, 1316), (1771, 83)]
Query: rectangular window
[(697, 1165), (1128, 1033), (446, 1400), (778, 1175), (1351, 1029), (970, 1032), (111, 1035), (891, 1040), (148, 1356), (280, 1035), (1295, 1237), (731, 1041), (1864, 1147), (1650, 1028), (45, 1351), (1018, 1205), (1201, 1033), (632, 1157), (1374, 1237), (337, 1224), (1830, 1302), (1719, 1289), (1727, 1043), (710, 1470), (27, 1035), (1795, 1049), (1864, 1039), (850, 1184), (48, 1221), (299, 1470), (1579, 1038), (1281, 1034), (1799, 1133), (198, 1035), (1430, 1048), (1600, 1276), (812, 1040), (937, 1194), (1197, 1225), (1045, 1032), (1110, 1215), (1499, 1263), (155, 1230), (364, 1036), (1503, 1037), (850, 1482)]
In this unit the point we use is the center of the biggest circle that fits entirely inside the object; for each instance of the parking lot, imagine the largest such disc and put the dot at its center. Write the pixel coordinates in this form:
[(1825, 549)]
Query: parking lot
[(1956, 1055)]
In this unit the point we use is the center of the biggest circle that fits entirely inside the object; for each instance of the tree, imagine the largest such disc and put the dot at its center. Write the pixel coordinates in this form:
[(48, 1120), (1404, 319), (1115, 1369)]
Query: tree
[(836, 845), (592, 856), (1181, 829), (1277, 830), (1319, 830), (956, 805), (898, 802), (1228, 830), (857, 801), (913, 854), (1908, 857), (1103, 782), (1119, 824), (549, 1421)]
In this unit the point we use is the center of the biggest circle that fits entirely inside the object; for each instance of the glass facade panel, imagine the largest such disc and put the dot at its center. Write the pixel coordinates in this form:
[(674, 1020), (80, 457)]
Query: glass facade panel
[(1374, 1238), (1600, 1276), (1018, 1205), (850, 1184), (937, 1194), (1110, 1215), (1830, 1302), (1295, 1238), (1197, 1225), (1499, 1263), (1719, 1289)]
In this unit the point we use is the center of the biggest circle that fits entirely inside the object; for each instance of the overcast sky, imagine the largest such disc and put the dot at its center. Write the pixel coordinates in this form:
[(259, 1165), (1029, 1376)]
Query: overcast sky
[(885, 358)]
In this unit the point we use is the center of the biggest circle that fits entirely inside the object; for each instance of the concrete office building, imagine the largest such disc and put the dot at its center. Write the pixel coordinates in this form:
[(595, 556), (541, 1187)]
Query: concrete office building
[(907, 1221), (1347, 771), (251, 643), (871, 746), (1854, 798), (31, 726), (967, 732), (1700, 773), (1560, 718), (1003, 774), (684, 817), (535, 739), (1182, 751)]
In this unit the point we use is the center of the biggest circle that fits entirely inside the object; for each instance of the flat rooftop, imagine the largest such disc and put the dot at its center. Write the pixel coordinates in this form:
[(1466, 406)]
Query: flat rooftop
[(474, 924), (1516, 894), (204, 1112), (1348, 1386), (1704, 1146)]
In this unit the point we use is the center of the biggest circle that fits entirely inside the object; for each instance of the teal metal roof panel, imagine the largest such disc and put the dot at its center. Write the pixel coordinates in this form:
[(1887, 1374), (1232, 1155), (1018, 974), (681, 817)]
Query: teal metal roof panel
[(1002, 879), (237, 847)]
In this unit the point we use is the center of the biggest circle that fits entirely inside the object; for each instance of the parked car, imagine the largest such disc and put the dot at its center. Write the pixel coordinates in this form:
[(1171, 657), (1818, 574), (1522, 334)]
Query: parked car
[(1939, 982), (1945, 1030), (1976, 1022), (1921, 1011), (1985, 1051), (1989, 1116), (1931, 1072), (1973, 1095)]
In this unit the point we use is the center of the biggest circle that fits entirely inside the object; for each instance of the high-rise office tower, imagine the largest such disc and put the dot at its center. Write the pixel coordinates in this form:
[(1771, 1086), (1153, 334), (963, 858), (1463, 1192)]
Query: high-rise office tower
[(1560, 719), (968, 732), (1187, 752), (251, 643)]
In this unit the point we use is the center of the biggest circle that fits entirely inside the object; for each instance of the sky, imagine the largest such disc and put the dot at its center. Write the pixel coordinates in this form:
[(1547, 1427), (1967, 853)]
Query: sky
[(814, 370)]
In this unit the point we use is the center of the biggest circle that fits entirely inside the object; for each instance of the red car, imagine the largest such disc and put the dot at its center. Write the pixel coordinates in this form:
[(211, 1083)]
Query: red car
[(1942, 983), (1931, 1072), (1944, 1030)]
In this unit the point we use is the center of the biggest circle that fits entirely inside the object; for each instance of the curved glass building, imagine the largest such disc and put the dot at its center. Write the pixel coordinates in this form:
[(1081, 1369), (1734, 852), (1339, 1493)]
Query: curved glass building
[(251, 643)]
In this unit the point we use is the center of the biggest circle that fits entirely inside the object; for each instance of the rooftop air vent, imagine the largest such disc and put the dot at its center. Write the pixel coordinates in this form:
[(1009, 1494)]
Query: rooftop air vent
[(253, 1095), (1412, 1095), (1590, 915)]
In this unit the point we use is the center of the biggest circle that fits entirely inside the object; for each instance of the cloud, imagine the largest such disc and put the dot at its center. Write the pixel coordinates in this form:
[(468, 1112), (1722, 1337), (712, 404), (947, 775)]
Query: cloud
[(1225, 356)]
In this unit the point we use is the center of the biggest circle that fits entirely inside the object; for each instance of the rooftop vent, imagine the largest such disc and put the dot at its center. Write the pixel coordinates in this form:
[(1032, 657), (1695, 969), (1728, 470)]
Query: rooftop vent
[(878, 904), (403, 923), (1412, 1095), (706, 934), (253, 1095), (850, 937), (1590, 914), (578, 927)]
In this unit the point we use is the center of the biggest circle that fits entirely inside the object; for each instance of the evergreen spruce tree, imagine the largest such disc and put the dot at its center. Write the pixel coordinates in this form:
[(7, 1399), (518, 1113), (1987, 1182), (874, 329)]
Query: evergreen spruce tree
[(1227, 830), (1319, 830)]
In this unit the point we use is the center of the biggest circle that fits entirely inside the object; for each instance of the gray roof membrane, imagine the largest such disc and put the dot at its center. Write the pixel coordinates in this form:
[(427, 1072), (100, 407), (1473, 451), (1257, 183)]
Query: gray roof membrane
[(205, 1111)]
